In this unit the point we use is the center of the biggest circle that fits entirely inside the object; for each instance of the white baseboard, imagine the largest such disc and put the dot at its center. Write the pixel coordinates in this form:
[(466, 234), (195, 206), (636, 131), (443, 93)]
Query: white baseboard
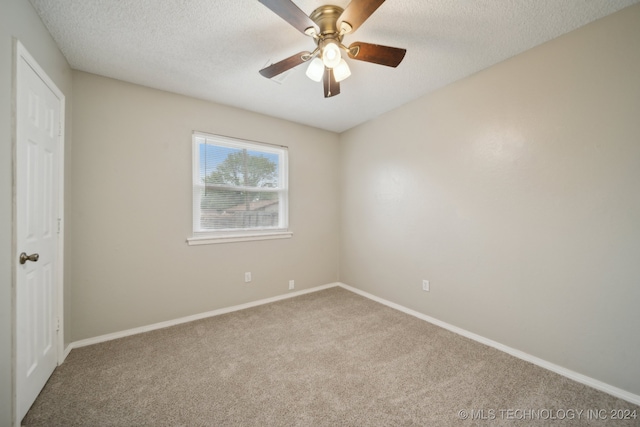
[(66, 352), (583, 379), (168, 323)]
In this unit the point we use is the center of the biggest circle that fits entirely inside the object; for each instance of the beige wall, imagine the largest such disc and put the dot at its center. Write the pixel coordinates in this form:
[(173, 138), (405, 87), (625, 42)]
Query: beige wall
[(18, 20), (515, 191), (132, 212)]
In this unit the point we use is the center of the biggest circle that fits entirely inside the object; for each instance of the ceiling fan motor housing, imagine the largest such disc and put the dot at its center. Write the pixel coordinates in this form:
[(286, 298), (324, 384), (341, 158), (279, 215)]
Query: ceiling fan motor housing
[(326, 18)]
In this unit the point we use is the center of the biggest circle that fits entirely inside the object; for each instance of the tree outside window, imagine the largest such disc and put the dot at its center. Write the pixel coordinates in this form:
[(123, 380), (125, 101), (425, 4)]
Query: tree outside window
[(240, 185)]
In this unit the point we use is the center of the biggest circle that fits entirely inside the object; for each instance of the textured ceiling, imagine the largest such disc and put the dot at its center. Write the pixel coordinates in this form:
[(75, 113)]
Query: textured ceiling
[(213, 49)]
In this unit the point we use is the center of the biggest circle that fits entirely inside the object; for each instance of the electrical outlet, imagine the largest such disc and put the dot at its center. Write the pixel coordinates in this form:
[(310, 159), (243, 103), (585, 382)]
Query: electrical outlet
[(247, 277), (292, 284), (425, 285)]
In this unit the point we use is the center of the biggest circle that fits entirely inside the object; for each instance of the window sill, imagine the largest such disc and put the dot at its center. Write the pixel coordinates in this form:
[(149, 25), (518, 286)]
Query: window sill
[(214, 240)]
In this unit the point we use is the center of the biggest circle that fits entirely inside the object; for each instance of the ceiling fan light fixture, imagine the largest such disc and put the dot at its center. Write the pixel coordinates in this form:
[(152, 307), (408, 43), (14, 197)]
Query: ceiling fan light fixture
[(331, 54), (341, 71), (315, 70)]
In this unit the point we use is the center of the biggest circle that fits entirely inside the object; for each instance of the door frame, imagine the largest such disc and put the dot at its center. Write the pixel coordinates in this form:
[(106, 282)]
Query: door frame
[(21, 53)]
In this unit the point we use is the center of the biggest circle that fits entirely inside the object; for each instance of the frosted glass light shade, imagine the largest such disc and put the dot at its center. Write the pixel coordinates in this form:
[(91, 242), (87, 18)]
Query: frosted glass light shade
[(341, 71), (331, 54), (315, 70)]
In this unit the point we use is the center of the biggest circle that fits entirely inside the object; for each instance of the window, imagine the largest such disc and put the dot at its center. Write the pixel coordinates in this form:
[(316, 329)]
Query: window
[(240, 190)]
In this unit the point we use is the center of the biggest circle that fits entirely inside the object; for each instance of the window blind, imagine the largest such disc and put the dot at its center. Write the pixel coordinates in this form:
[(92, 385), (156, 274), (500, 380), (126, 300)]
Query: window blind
[(238, 185)]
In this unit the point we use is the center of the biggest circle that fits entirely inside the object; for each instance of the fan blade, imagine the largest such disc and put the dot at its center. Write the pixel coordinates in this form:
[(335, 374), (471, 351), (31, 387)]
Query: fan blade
[(284, 65), (291, 13), (331, 86), (358, 11), (383, 55)]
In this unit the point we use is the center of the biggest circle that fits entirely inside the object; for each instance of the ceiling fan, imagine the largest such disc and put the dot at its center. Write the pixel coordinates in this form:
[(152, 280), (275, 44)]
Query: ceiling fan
[(327, 25)]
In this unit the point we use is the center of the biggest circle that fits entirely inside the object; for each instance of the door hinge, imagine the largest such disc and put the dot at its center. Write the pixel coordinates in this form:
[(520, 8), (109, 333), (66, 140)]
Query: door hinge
[(59, 225), (57, 324)]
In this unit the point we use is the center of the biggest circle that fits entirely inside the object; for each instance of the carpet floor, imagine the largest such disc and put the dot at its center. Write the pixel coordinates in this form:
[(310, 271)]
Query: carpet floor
[(329, 358)]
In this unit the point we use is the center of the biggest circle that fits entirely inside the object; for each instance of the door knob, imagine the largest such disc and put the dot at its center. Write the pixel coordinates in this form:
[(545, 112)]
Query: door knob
[(24, 257)]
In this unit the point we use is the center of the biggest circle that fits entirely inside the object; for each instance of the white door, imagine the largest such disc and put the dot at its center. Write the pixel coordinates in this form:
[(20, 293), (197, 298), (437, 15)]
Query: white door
[(38, 132)]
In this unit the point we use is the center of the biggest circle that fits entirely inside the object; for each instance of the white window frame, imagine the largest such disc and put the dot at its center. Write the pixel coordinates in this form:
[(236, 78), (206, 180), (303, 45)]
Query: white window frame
[(205, 237)]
